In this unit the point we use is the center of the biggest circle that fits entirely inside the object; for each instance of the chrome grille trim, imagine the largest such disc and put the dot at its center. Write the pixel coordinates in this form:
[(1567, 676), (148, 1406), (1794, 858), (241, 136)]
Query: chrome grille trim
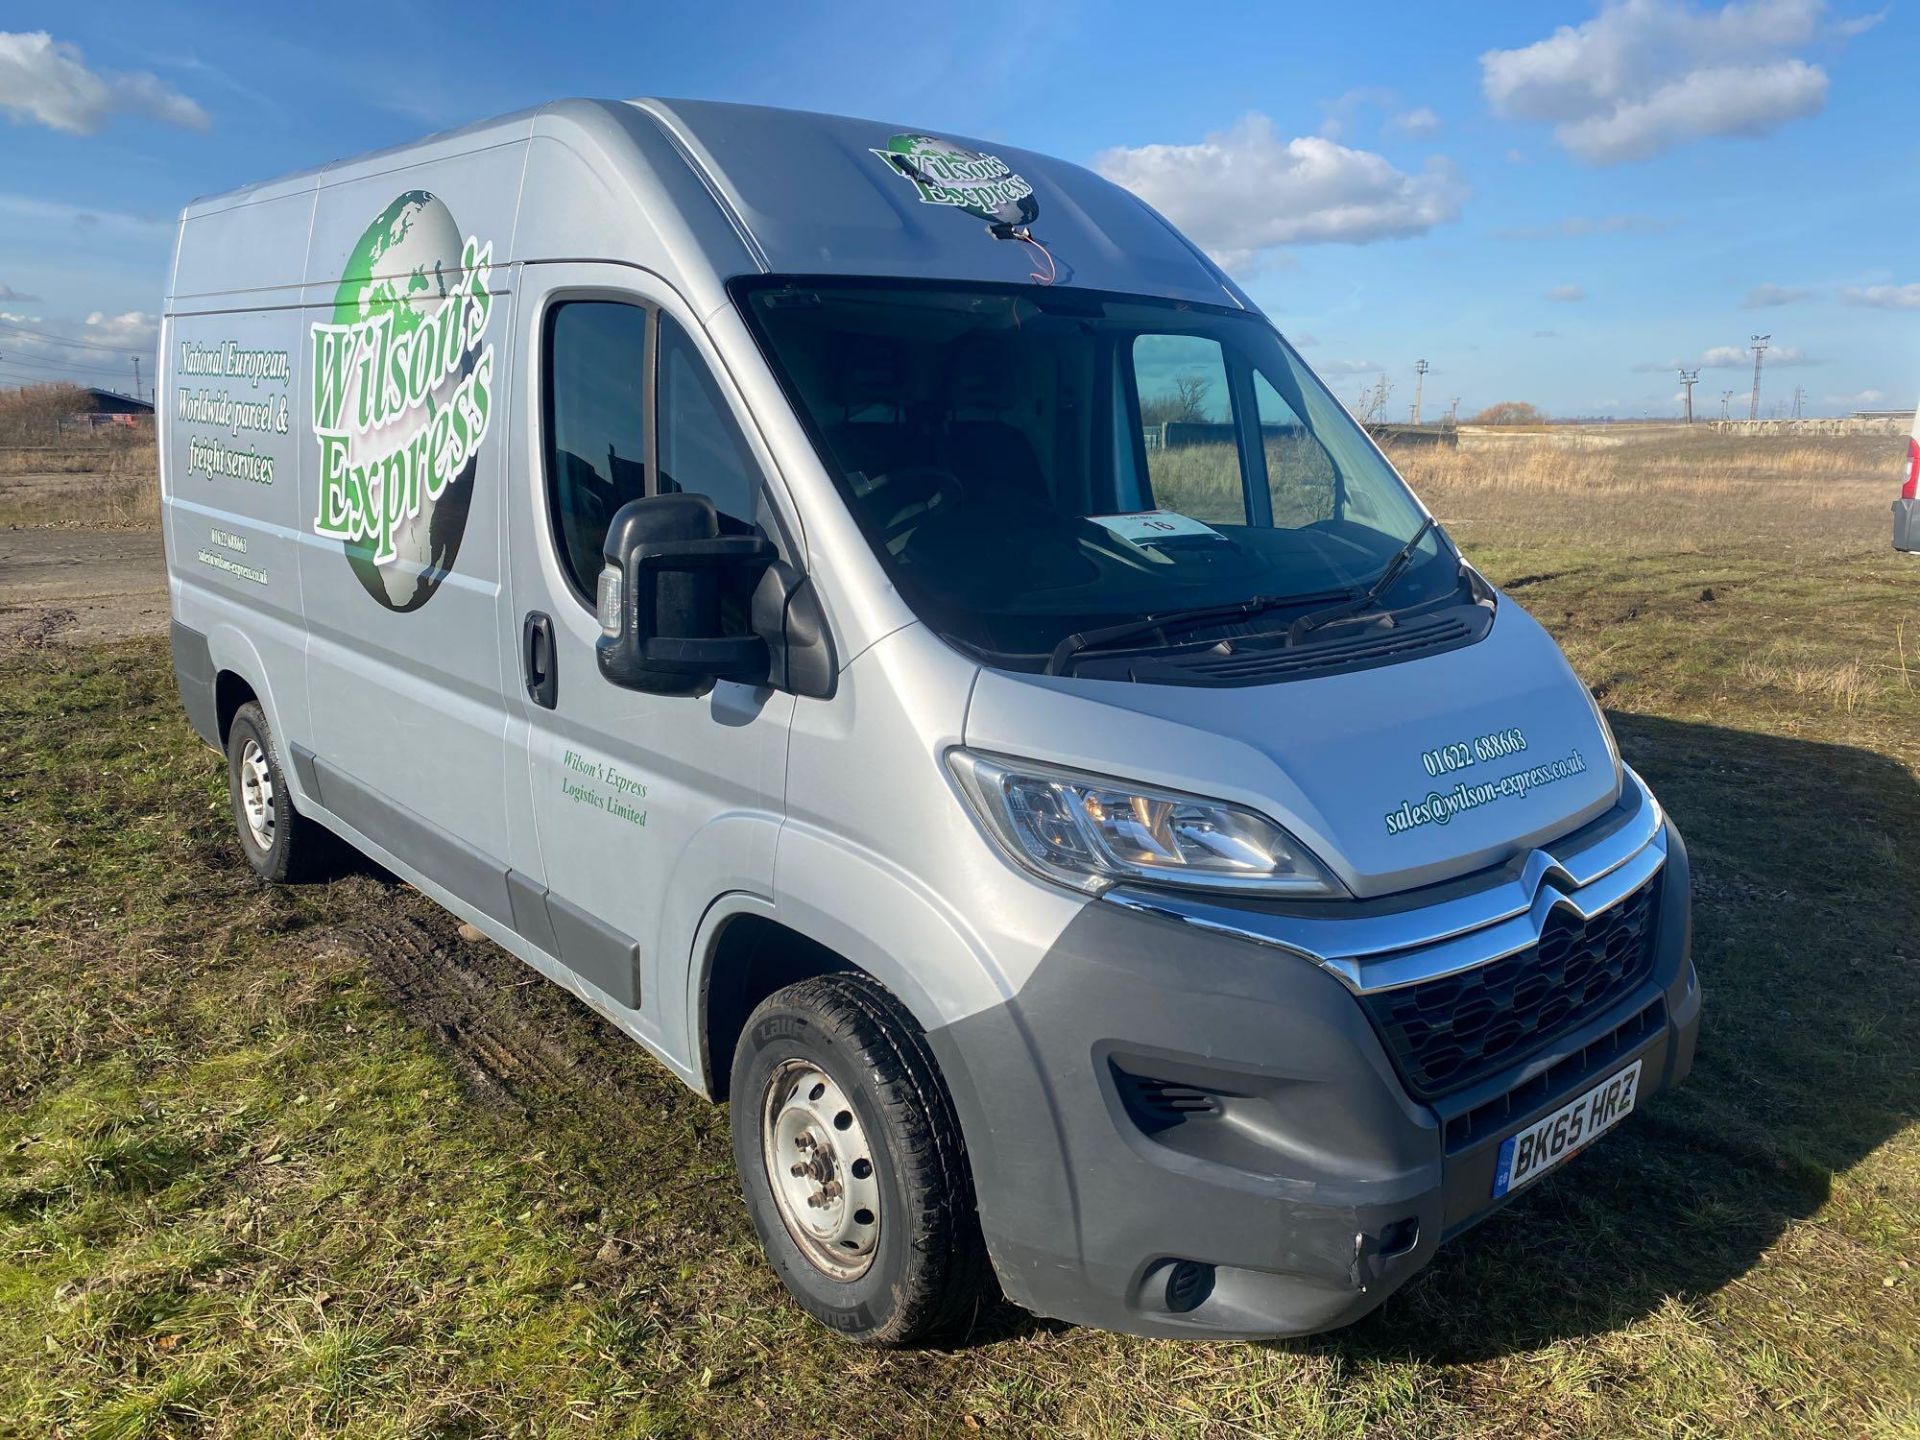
[(1377, 952)]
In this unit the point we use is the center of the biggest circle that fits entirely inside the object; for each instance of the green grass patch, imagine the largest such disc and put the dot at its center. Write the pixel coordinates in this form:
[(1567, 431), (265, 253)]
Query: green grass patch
[(271, 1164)]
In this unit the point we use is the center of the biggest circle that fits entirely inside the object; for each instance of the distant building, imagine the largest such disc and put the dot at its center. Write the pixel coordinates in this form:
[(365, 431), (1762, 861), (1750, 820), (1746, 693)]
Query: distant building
[(1901, 415), (112, 402)]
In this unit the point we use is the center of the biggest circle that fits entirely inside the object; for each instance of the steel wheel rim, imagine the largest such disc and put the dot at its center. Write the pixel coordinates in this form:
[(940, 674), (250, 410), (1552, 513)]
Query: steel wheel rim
[(256, 793), (820, 1169)]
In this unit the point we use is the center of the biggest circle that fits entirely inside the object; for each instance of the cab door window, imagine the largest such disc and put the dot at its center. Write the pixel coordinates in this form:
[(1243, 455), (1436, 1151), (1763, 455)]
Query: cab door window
[(1301, 480), (1187, 423), (595, 395), (701, 448)]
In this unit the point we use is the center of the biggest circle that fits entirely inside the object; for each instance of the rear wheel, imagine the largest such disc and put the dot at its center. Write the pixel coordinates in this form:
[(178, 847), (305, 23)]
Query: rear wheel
[(853, 1165), (279, 842)]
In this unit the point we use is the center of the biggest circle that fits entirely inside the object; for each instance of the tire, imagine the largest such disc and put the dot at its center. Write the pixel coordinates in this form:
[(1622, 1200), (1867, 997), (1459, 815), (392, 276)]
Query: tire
[(837, 1056), (280, 843)]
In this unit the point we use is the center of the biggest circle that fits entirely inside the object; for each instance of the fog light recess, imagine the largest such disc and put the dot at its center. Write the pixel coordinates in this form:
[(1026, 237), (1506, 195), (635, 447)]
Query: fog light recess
[(1189, 1283)]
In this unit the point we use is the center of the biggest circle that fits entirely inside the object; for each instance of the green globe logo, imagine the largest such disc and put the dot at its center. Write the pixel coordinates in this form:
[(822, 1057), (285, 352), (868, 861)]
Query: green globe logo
[(948, 174), (403, 306)]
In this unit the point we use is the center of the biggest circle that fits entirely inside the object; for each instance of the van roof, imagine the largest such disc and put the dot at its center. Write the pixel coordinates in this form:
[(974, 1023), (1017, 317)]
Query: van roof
[(810, 194)]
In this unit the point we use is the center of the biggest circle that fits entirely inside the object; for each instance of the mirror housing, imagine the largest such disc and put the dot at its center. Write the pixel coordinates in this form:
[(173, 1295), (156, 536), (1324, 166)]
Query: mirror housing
[(661, 629)]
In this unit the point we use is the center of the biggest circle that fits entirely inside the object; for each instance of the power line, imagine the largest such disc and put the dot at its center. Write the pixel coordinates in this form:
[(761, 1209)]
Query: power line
[(1689, 378), (61, 339), (24, 381), (57, 367)]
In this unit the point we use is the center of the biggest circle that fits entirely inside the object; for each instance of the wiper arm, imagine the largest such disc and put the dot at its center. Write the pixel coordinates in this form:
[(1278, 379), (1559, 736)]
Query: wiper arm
[(1075, 644), (1402, 557)]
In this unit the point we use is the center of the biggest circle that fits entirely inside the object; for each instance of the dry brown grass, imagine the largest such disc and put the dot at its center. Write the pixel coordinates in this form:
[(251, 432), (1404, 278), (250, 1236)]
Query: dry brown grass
[(108, 481), (1667, 490), (1648, 488), (33, 414)]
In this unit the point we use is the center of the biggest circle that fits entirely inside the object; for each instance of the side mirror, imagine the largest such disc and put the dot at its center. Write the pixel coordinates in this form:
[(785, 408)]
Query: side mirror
[(668, 568)]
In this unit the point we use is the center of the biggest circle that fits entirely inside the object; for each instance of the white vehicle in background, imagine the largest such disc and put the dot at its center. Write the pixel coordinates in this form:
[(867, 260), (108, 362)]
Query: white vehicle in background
[(1906, 510)]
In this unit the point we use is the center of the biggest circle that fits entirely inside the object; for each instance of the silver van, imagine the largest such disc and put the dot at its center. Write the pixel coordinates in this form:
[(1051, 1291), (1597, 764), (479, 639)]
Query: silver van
[(884, 620)]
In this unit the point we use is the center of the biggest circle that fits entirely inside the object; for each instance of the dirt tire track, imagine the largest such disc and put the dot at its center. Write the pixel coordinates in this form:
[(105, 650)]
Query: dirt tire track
[(520, 1042)]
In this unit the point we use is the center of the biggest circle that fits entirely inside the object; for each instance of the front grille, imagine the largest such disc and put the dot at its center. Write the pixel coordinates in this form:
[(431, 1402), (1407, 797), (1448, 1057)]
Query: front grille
[(1562, 1078), (1447, 1033)]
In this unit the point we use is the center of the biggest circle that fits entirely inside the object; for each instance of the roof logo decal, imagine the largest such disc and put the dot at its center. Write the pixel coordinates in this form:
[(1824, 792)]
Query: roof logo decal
[(970, 181)]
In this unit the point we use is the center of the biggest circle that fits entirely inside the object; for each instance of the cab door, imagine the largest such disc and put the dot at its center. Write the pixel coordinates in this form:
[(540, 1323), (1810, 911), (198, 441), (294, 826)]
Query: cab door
[(642, 809)]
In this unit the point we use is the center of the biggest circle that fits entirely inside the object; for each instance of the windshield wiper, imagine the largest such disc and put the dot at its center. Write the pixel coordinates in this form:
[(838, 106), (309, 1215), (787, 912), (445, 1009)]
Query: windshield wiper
[(1081, 641), (1299, 629)]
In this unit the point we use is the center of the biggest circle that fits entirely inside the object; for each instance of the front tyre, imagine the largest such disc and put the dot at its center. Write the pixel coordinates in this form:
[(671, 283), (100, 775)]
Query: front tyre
[(853, 1165)]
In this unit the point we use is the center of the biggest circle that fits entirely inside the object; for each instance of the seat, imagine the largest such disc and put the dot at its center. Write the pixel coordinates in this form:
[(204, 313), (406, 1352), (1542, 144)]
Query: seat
[(993, 458)]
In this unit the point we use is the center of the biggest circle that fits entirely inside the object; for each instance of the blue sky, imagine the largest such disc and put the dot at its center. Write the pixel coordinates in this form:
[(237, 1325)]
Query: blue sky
[(1551, 203)]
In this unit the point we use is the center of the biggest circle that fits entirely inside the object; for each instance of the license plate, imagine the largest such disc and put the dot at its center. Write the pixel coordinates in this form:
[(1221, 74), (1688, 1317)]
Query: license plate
[(1531, 1152)]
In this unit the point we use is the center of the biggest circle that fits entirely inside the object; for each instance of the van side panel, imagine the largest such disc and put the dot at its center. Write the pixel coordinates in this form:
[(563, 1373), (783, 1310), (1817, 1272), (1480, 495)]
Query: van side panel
[(231, 447), (404, 327)]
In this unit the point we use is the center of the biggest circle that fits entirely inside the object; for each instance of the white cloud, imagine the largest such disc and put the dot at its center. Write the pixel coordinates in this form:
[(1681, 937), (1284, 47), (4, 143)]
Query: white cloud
[(1566, 293), (113, 223), (1731, 357), (1860, 24), (1645, 75), (1883, 297), (1581, 227), (1862, 400), (1418, 121), (46, 81), (96, 352), (1245, 190), (1766, 297), (135, 330), (1342, 114), (1347, 367)]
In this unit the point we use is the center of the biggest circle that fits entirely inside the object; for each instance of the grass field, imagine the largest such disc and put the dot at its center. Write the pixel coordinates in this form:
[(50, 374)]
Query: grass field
[(292, 1162)]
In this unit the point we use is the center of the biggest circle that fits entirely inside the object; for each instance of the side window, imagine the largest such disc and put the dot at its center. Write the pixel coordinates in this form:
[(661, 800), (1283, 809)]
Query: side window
[(701, 448), (1186, 412), (1300, 474), (596, 425)]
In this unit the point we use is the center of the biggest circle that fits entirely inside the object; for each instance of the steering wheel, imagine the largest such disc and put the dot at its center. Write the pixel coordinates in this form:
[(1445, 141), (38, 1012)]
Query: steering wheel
[(906, 495)]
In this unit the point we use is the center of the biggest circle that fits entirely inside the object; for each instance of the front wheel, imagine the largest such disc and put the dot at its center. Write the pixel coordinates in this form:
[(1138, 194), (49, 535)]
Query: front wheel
[(853, 1165)]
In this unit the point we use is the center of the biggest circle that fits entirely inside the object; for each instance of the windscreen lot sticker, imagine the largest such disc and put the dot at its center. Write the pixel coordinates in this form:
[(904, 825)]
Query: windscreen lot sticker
[(1479, 785), (1530, 1153), (1146, 527)]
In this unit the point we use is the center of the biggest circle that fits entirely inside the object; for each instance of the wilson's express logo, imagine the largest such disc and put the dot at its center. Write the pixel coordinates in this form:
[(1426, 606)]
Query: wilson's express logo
[(402, 398), (948, 174)]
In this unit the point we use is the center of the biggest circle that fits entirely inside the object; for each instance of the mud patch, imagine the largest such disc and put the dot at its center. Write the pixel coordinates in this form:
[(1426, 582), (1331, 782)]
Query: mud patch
[(96, 585), (524, 1047)]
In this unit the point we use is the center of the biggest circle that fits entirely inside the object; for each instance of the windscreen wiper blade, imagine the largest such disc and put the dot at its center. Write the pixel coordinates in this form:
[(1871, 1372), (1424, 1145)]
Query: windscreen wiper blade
[(1069, 649), (1401, 558)]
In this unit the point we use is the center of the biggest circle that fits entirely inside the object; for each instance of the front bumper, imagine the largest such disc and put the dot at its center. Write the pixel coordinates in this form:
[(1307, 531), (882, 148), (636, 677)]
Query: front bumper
[(1179, 1131)]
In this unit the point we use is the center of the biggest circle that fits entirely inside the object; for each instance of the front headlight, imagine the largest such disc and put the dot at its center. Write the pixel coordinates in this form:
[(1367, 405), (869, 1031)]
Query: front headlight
[(1091, 833)]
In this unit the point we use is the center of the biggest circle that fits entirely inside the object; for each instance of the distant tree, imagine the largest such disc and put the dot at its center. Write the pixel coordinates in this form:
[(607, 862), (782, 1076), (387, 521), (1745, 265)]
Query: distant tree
[(1511, 412), (32, 413), (1186, 405)]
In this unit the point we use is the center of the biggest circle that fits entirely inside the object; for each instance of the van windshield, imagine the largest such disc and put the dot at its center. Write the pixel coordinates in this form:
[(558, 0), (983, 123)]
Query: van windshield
[(1029, 465)]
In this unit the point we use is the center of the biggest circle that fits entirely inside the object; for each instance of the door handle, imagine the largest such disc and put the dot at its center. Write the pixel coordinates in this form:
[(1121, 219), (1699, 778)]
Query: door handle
[(537, 660)]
